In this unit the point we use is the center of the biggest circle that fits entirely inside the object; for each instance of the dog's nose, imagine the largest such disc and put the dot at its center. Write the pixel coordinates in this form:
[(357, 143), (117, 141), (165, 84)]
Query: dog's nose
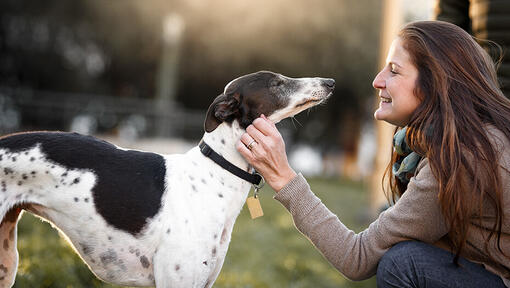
[(330, 83)]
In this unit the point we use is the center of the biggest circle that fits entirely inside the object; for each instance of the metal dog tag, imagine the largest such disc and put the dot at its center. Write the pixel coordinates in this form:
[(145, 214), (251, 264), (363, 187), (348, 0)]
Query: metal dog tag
[(254, 207)]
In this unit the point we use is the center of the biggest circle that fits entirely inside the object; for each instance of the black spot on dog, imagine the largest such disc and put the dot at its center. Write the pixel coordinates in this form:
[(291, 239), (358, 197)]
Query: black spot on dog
[(86, 248), (205, 263), (177, 267), (203, 181), (20, 183), (13, 159), (168, 231), (214, 251), (76, 180), (24, 176), (220, 195), (194, 188), (223, 141), (32, 159), (76, 199), (129, 184), (145, 262), (108, 257), (86, 200)]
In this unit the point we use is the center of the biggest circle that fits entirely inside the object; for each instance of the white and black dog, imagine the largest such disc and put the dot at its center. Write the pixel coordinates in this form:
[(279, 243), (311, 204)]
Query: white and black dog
[(138, 218)]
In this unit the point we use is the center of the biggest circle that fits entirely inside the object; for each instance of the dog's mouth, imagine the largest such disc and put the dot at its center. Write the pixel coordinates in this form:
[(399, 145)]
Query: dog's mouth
[(309, 101), (316, 99)]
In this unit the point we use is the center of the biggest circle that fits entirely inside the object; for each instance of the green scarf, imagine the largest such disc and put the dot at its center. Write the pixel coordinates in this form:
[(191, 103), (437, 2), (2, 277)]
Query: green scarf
[(405, 167)]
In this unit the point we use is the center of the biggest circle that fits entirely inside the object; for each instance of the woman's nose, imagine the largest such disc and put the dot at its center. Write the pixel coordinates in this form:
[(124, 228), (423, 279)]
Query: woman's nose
[(379, 82)]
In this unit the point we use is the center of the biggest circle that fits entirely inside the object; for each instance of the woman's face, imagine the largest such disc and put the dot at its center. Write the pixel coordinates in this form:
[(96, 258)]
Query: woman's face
[(396, 83)]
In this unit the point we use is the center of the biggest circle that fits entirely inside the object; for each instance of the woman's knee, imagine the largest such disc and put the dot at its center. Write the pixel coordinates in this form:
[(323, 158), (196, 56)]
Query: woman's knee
[(396, 266), (401, 252)]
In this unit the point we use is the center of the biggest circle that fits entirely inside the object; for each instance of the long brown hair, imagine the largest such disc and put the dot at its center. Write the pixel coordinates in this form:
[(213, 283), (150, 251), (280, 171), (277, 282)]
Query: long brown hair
[(460, 97)]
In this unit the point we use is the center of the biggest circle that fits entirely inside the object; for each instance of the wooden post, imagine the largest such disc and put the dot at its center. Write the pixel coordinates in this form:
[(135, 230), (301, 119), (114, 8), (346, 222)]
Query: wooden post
[(166, 85)]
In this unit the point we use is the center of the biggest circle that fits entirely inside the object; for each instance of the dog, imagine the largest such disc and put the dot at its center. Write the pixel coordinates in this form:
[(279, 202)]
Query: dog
[(138, 218)]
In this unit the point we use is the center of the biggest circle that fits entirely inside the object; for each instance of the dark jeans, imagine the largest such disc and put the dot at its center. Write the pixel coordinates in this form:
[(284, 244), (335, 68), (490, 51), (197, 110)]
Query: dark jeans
[(417, 264)]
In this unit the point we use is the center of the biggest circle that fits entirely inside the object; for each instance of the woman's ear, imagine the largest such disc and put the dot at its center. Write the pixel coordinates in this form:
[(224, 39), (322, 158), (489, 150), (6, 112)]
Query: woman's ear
[(223, 108)]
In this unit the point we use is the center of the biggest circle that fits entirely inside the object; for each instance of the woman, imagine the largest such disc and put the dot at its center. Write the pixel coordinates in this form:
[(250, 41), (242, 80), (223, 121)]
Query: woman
[(450, 170)]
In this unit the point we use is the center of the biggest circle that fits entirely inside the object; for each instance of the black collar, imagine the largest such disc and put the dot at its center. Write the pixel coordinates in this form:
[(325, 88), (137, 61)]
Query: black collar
[(218, 159)]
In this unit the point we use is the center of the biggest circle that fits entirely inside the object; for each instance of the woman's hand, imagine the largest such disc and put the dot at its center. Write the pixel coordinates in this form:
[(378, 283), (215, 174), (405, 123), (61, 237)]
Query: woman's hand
[(263, 147)]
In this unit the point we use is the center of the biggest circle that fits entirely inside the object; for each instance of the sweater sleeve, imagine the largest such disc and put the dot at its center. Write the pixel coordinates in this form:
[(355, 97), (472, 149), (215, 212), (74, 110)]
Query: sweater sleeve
[(415, 216)]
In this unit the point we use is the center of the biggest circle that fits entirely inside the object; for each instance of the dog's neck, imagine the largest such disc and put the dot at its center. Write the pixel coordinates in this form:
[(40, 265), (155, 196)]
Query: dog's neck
[(224, 139)]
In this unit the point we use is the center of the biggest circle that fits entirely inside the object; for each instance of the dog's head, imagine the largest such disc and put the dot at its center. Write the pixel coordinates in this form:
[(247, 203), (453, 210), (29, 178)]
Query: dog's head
[(268, 93)]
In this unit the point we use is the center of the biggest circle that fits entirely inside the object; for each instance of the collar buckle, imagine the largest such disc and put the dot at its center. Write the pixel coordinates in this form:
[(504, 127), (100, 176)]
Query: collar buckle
[(205, 149)]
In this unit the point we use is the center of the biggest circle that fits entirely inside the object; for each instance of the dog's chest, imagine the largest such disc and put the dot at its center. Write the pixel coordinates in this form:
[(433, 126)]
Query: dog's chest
[(199, 208), (200, 194)]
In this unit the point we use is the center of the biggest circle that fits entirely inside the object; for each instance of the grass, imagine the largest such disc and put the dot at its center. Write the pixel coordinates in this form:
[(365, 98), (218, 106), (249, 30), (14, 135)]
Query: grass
[(265, 252)]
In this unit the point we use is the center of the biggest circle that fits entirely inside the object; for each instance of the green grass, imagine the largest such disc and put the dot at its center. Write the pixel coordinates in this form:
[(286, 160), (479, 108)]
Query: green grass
[(265, 252)]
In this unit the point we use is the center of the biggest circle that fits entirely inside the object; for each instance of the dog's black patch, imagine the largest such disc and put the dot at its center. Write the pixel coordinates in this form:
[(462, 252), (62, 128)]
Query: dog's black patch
[(145, 262), (129, 185)]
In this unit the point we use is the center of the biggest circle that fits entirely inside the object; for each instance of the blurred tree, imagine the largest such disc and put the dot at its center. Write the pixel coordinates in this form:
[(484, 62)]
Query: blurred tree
[(114, 48), (78, 46)]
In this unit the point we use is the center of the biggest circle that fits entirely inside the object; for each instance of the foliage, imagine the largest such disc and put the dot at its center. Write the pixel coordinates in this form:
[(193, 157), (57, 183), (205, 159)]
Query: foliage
[(265, 252)]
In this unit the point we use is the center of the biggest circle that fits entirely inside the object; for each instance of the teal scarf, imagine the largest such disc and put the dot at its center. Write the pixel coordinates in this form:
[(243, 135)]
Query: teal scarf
[(405, 167)]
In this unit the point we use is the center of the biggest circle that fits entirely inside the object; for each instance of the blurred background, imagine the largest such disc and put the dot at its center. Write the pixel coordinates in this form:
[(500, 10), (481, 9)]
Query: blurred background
[(141, 74)]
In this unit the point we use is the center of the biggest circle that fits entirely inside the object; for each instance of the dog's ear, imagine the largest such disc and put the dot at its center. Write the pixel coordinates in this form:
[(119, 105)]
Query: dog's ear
[(224, 107)]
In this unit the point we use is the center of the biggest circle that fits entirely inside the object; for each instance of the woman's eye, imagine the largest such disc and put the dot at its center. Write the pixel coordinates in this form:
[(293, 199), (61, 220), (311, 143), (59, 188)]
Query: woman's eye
[(393, 70)]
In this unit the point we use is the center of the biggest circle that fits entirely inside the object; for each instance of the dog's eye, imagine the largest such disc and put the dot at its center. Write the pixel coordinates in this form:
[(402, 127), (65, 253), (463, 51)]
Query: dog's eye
[(277, 82)]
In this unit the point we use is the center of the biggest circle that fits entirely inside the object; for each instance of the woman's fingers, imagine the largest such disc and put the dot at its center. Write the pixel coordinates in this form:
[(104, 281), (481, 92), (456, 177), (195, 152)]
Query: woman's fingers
[(265, 126), (255, 133), (245, 152), (246, 139)]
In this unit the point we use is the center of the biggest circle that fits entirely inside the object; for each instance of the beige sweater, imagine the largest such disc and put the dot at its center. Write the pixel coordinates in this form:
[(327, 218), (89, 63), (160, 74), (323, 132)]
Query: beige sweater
[(415, 216)]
